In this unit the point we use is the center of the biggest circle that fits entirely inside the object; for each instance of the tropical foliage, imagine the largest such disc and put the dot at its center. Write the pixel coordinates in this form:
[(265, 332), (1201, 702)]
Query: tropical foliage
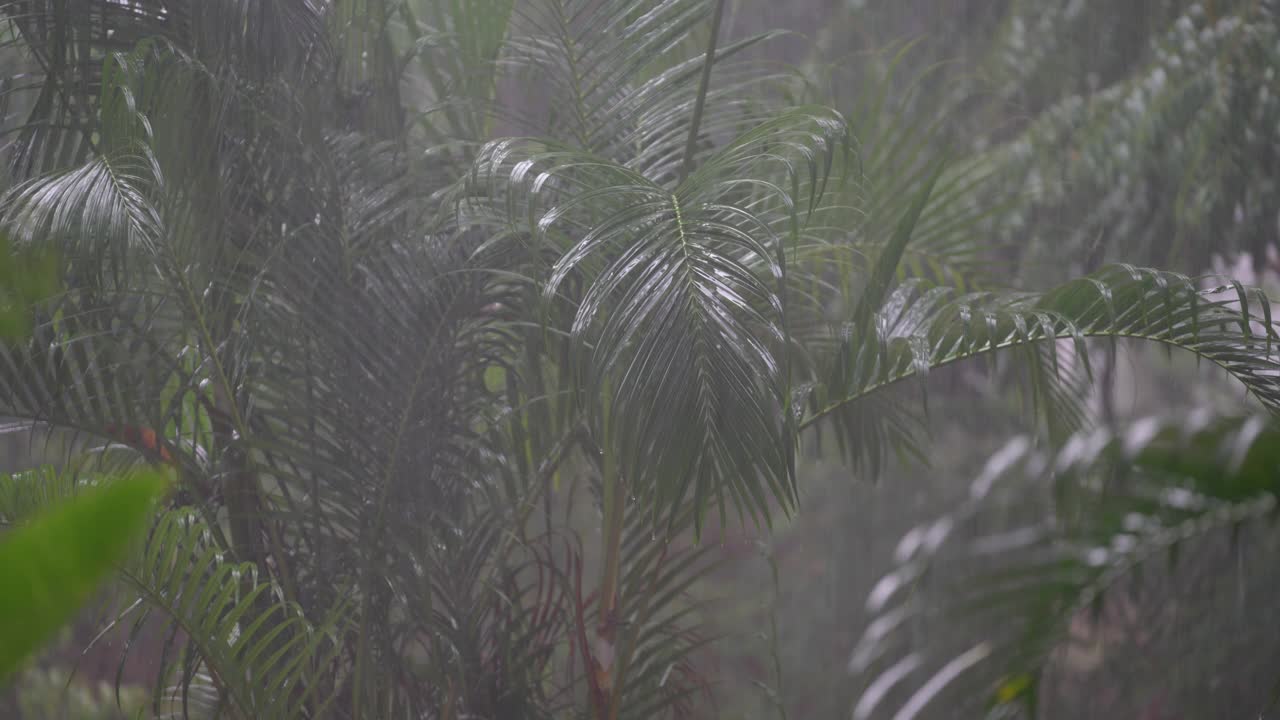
[(462, 323), (57, 559), (1106, 504)]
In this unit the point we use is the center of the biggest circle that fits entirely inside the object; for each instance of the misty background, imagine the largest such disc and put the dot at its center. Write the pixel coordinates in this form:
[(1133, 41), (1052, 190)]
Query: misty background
[(1092, 132)]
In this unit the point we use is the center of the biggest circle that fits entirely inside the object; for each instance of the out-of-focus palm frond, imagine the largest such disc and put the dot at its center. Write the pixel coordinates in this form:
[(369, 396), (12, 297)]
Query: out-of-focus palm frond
[(1079, 519), (1175, 155)]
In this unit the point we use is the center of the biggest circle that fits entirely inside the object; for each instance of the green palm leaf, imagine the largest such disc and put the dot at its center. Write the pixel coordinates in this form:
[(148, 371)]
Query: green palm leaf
[(57, 558), (1113, 501), (261, 653), (681, 319), (921, 327)]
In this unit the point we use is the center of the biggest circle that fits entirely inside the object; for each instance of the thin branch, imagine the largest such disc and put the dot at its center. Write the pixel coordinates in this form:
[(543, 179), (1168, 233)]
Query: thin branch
[(692, 144)]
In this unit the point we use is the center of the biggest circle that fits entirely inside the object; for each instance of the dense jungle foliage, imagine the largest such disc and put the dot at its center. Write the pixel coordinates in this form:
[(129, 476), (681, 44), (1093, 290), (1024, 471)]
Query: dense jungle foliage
[(636, 359)]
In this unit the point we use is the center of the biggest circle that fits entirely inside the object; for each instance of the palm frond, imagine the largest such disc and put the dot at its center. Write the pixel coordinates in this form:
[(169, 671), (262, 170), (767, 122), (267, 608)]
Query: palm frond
[(1100, 157), (68, 47), (682, 308), (25, 493), (1083, 518), (921, 327), (660, 639), (262, 653), (259, 653), (618, 91), (496, 619), (452, 53), (899, 145)]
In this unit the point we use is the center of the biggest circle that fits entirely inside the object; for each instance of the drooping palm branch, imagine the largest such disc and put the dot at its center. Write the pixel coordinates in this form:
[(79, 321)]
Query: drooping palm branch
[(1087, 516)]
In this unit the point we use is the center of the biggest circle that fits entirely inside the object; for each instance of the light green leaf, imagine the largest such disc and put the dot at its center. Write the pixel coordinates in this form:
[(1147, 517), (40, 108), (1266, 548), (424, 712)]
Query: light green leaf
[(53, 563)]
